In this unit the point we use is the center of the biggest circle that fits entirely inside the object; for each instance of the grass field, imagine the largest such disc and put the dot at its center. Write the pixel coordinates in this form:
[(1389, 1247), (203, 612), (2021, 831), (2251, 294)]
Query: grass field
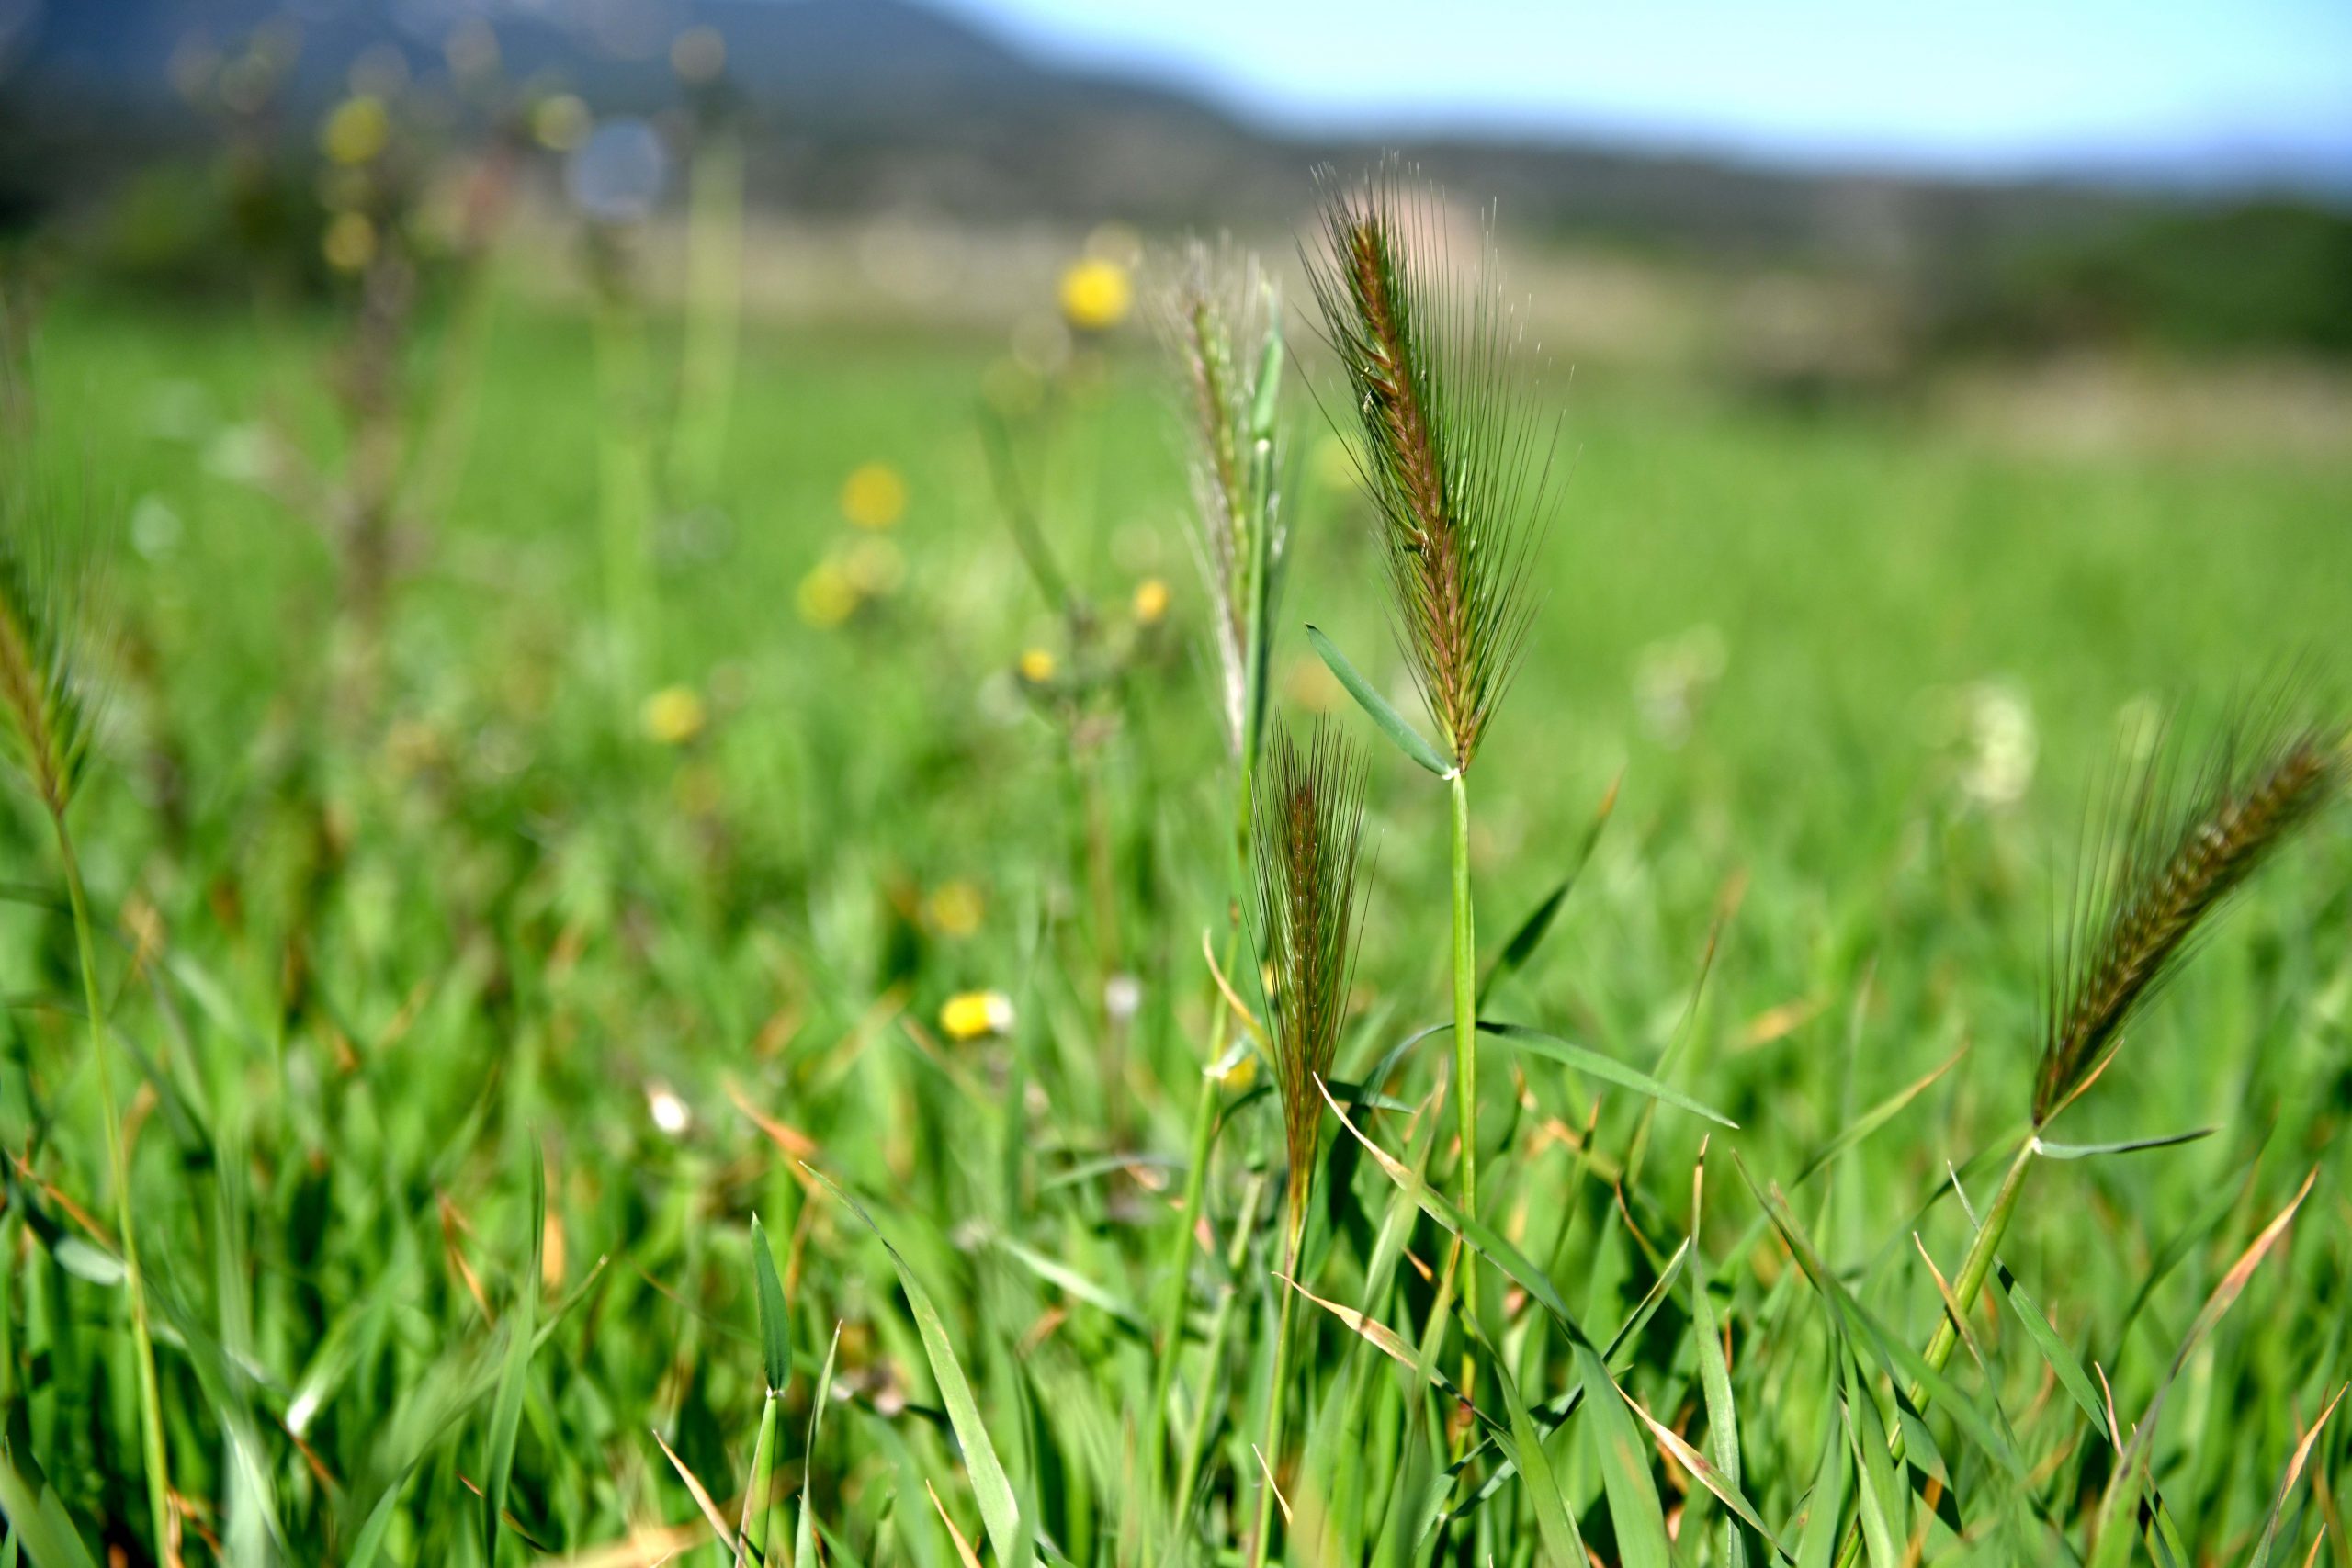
[(380, 971)]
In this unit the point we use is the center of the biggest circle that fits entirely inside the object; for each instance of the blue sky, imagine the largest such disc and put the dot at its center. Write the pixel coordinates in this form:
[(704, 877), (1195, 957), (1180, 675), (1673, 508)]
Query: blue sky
[(2189, 88)]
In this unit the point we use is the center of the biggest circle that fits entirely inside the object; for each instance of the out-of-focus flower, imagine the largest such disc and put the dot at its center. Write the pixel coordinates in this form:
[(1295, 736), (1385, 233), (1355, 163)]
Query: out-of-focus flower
[(956, 908), (674, 714), (1242, 1071), (1122, 995), (357, 130), (1036, 666), (875, 567), (874, 496), (826, 596), (561, 122), (1096, 294), (350, 242), (1151, 601), (668, 1112), (2002, 745), (975, 1015)]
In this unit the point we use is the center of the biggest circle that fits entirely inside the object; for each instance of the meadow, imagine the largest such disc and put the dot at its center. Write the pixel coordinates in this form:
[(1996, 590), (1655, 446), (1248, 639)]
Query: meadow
[(469, 1007)]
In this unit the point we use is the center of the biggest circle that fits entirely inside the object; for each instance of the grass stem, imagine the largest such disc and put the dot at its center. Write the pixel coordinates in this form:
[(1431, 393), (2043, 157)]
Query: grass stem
[(1275, 1402), (150, 1409), (1465, 1024)]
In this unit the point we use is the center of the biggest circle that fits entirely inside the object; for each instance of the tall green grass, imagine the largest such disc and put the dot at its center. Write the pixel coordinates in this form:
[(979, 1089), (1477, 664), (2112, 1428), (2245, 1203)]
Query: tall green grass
[(459, 1058)]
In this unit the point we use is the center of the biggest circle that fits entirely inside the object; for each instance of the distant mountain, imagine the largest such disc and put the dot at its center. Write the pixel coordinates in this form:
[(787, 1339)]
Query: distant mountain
[(858, 105)]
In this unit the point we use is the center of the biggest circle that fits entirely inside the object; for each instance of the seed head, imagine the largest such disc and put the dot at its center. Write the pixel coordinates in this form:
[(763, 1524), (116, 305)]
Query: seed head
[(2172, 844), (1308, 844), (1444, 444)]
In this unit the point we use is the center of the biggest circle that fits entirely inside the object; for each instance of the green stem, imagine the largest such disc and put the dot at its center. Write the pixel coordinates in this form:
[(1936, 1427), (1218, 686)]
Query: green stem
[(1974, 1269), (1187, 1474), (151, 1407), (1466, 1025), (1272, 1450), (1175, 1291)]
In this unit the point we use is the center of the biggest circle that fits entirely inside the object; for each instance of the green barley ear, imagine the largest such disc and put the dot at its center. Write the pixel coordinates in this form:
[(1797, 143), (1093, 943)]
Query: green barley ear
[(1309, 842), (1449, 454), (2172, 845), (1221, 318)]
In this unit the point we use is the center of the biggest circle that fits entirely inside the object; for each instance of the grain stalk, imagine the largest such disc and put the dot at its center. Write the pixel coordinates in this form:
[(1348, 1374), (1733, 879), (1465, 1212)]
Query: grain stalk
[(2170, 849), (1447, 455), (1222, 321), (47, 592), (1308, 841)]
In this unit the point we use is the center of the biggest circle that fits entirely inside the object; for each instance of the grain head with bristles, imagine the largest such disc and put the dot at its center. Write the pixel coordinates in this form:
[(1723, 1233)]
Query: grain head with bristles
[(1308, 846), (1220, 315), (48, 592), (2175, 839), (1445, 443)]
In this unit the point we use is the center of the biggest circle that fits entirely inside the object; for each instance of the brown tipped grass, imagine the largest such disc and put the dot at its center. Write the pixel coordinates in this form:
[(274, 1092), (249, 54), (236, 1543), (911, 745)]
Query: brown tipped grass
[(1309, 843), (2175, 842), (1445, 448)]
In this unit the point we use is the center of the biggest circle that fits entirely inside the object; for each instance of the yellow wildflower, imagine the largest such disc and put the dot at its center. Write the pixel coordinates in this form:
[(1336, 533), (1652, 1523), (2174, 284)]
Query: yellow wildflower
[(1036, 666), (874, 496), (1096, 294), (972, 1015), (1242, 1074), (350, 242), (1151, 601), (357, 130), (674, 714), (827, 597), (956, 908)]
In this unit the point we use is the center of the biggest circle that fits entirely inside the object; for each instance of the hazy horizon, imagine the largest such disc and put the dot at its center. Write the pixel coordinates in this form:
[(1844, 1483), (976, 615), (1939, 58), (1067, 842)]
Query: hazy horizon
[(2194, 90)]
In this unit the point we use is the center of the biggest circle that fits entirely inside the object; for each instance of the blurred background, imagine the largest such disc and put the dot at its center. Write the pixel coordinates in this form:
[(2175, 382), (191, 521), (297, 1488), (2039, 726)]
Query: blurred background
[(1809, 200)]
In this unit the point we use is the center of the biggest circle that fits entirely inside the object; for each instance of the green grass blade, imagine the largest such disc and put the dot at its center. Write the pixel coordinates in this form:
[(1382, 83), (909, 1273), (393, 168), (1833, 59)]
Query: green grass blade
[(1583, 1059), (1623, 1459), (1878, 1495), (804, 1534), (1388, 719), (37, 1519), (506, 1409), (2060, 1359), (999, 1510), (1826, 1507), (1554, 1522), (1531, 933), (2130, 1147), (776, 1327)]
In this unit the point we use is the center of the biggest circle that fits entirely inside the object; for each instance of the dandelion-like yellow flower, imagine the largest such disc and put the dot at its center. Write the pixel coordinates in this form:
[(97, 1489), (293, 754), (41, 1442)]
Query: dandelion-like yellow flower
[(956, 908), (1096, 294), (674, 714), (874, 496), (826, 596), (350, 242), (357, 130), (1036, 666), (1151, 601), (975, 1015)]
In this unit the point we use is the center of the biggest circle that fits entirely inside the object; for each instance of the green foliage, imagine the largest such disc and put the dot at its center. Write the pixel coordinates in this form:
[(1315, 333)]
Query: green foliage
[(370, 988)]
